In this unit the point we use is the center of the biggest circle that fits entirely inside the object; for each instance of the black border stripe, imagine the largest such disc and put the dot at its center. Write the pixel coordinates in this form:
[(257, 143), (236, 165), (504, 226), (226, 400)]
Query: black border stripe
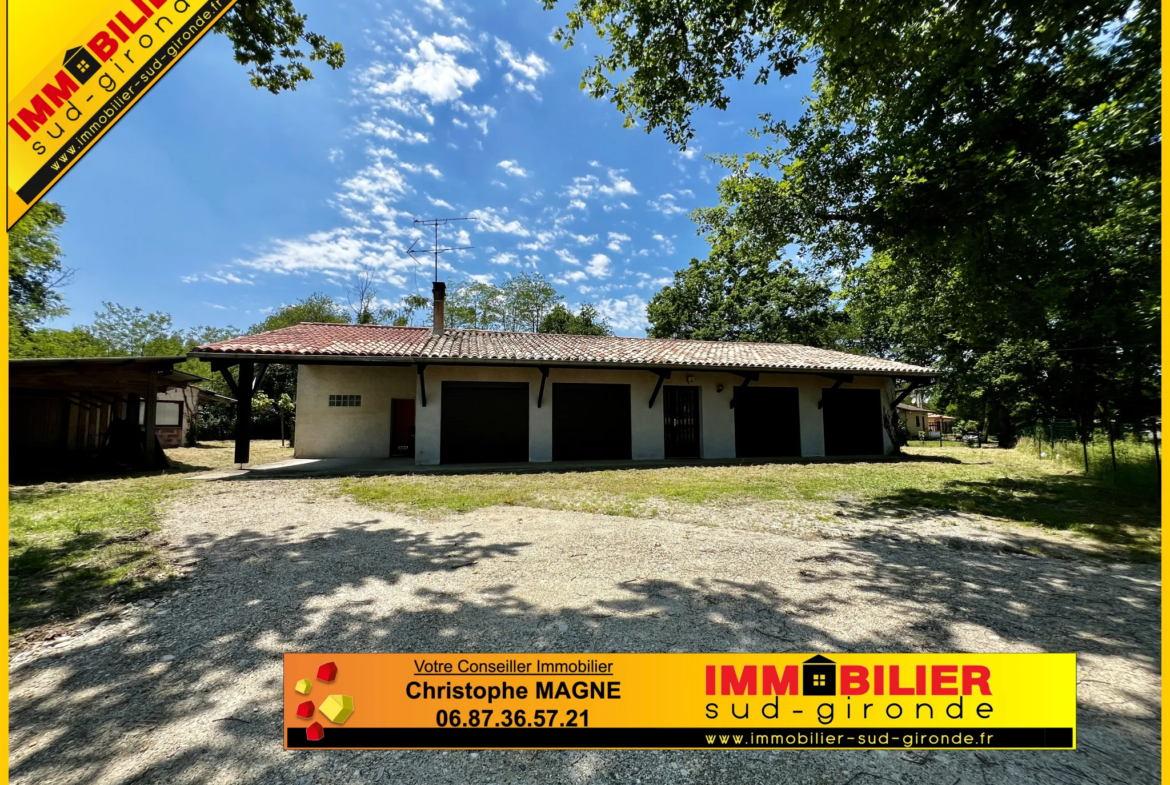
[(679, 738)]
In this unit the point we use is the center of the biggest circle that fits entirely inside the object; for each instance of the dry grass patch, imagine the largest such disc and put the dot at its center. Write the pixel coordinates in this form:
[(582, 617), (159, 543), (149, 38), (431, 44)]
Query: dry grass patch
[(208, 456)]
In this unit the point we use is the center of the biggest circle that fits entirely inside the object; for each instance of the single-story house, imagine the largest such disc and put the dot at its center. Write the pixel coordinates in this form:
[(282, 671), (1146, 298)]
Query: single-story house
[(915, 417), (480, 396), (72, 410)]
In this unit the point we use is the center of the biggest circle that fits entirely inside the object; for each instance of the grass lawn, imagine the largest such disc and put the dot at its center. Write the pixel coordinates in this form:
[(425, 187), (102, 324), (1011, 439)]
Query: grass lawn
[(74, 546), (1011, 485)]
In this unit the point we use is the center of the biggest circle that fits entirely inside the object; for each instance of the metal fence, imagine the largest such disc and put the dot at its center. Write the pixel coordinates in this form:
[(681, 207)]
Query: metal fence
[(1126, 454)]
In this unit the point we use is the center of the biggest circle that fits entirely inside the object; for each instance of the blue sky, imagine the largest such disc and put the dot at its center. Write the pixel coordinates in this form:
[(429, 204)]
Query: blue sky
[(217, 203)]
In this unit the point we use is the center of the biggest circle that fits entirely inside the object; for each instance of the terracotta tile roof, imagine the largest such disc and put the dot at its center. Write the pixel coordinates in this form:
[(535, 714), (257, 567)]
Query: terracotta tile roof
[(311, 339)]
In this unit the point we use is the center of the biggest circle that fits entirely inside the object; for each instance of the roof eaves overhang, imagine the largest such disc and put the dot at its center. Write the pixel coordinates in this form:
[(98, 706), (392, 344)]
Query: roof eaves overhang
[(321, 359)]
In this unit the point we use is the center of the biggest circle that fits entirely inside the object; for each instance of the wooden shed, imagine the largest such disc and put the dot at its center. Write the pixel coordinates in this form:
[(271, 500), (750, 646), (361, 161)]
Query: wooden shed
[(71, 413)]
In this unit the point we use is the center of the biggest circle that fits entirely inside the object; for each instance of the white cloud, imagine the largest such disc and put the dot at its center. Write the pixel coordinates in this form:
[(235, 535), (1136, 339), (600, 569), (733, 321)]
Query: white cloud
[(416, 168), (522, 72), (337, 252), (598, 266), (582, 187), (440, 203), (665, 204), (575, 275), (505, 258), (513, 168), (219, 277), (616, 240), (618, 184), (430, 70), (625, 314), (336, 155), (576, 204), (482, 278), (492, 221), (374, 183), (478, 114), (388, 129), (583, 239), (667, 245), (567, 257)]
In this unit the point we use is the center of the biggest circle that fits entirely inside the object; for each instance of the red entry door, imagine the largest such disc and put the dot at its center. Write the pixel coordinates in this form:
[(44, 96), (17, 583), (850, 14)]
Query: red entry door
[(402, 426)]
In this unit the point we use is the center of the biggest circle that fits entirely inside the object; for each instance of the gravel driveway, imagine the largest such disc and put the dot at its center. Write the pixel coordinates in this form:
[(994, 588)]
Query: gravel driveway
[(188, 689)]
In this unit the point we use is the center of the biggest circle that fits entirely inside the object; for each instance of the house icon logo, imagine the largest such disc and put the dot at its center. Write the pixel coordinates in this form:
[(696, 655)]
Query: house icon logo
[(818, 676), (81, 64)]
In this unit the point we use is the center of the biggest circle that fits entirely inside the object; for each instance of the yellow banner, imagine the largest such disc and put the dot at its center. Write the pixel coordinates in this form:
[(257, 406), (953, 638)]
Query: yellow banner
[(91, 82), (680, 701)]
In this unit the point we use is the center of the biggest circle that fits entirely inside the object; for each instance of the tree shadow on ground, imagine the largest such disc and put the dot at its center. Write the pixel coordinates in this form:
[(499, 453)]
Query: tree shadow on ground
[(1056, 502), (106, 711)]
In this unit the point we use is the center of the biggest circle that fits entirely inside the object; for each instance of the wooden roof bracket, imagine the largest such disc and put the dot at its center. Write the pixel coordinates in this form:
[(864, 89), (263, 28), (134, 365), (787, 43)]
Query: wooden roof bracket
[(543, 377), (748, 378), (231, 382), (839, 379), (915, 384), (662, 376)]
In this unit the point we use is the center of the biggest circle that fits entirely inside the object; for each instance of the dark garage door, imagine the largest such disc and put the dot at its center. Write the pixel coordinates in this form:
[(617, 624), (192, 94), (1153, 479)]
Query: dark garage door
[(853, 422), (484, 422), (591, 422), (767, 422)]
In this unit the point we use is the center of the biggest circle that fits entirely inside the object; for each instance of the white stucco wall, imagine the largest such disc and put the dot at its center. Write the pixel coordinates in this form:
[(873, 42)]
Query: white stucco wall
[(325, 431), (341, 432)]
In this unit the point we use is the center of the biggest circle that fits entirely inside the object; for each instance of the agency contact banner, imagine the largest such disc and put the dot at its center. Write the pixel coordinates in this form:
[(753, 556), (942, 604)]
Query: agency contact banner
[(680, 701)]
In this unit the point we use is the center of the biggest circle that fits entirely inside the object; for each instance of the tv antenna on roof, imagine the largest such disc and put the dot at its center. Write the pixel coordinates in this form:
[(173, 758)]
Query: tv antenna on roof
[(436, 250)]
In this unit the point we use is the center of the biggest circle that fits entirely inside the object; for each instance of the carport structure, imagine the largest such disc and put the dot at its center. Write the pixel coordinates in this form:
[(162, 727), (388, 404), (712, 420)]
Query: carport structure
[(66, 409), (480, 396)]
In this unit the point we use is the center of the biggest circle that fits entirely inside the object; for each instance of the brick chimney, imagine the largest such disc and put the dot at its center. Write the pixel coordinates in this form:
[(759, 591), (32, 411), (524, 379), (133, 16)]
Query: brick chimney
[(439, 295)]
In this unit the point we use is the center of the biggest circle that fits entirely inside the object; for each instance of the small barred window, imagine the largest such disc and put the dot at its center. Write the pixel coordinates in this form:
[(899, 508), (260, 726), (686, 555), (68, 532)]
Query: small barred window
[(345, 400)]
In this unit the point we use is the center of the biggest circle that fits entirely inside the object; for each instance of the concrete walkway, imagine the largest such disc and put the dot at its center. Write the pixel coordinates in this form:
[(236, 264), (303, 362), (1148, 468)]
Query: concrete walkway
[(304, 468)]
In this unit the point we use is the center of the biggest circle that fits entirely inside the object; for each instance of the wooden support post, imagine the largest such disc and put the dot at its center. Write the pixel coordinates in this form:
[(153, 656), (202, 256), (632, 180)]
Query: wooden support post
[(83, 418), (104, 421), (93, 437), (422, 383), (244, 390), (149, 458)]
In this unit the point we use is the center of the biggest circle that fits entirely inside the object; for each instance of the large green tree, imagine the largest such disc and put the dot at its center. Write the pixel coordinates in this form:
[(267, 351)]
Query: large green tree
[(985, 177)]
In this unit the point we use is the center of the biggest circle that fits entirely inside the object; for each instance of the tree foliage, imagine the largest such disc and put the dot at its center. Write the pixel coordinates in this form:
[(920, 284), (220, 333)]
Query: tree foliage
[(35, 270), (519, 305), (267, 35), (983, 177), (586, 320), (317, 307)]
